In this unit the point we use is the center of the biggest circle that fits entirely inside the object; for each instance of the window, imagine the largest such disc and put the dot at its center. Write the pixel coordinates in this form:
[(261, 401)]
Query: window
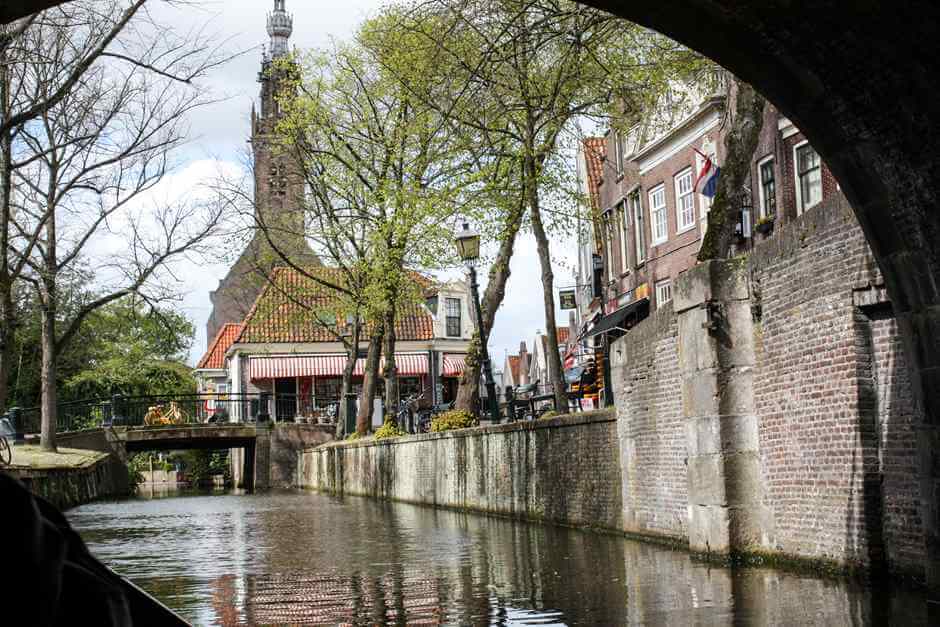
[(658, 215), (663, 292), (685, 201), (408, 386), (326, 390), (624, 224), (768, 187), (453, 316), (618, 153), (639, 229), (608, 248), (808, 177)]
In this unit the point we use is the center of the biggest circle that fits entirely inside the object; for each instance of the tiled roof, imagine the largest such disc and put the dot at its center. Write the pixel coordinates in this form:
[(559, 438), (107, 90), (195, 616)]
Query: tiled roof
[(215, 354), (594, 150), (288, 308), (514, 368)]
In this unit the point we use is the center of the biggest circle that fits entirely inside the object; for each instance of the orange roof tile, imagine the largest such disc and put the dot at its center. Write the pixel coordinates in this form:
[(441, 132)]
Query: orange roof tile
[(215, 354), (288, 308)]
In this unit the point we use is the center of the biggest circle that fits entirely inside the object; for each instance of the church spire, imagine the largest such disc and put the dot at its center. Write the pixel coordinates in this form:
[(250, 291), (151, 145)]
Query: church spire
[(280, 26)]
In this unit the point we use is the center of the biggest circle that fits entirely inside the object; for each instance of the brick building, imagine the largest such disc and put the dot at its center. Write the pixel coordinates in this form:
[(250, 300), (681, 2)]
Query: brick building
[(648, 222), (278, 196), (290, 346)]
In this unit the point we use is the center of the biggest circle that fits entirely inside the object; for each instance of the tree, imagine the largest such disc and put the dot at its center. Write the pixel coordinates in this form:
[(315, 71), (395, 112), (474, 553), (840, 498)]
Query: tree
[(99, 142), (137, 351), (125, 347), (386, 176), (745, 119), (519, 74)]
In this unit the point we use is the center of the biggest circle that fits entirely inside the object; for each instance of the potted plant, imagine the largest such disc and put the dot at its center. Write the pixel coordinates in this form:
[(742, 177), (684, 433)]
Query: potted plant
[(765, 225)]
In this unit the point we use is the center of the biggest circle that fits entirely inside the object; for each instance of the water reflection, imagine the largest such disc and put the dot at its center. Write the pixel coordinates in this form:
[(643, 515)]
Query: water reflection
[(294, 557)]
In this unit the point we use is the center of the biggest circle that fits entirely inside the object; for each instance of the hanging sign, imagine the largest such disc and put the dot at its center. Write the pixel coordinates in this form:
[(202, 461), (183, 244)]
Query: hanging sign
[(567, 299)]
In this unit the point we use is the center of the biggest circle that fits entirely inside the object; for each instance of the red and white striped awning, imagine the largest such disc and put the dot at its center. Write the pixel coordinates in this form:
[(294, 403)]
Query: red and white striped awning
[(285, 366), (454, 365)]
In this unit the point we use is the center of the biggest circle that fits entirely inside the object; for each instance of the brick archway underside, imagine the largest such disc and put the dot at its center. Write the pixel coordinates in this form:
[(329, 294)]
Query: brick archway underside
[(861, 79)]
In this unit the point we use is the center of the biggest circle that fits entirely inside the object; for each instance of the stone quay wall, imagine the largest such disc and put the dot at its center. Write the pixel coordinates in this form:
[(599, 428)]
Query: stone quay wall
[(69, 487), (769, 410), (564, 470)]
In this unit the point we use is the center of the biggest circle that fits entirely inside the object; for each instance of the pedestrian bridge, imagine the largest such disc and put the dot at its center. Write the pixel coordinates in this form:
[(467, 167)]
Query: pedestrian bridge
[(263, 454)]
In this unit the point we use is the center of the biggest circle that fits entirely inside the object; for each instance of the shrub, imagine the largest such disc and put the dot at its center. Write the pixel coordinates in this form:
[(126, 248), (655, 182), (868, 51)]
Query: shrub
[(388, 430), (551, 413), (453, 419), (353, 436)]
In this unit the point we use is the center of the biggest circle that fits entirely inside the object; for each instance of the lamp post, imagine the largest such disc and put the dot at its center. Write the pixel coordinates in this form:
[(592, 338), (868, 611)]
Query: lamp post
[(468, 247)]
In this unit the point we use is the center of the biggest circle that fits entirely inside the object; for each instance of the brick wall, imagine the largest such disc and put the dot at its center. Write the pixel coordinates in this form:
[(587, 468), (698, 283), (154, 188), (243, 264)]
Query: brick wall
[(836, 420), (562, 469), (833, 398), (897, 418), (645, 376)]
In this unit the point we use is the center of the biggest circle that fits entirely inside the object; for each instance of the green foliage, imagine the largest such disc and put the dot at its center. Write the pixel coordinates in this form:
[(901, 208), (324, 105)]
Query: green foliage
[(122, 348), (137, 463), (352, 437), (453, 419), (200, 465), (388, 430), (551, 413)]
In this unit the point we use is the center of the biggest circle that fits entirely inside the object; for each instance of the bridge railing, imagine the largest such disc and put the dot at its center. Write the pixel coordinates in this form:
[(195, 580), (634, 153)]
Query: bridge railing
[(154, 410)]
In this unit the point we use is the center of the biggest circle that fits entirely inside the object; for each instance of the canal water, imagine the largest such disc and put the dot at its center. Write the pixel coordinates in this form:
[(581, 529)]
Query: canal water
[(302, 558)]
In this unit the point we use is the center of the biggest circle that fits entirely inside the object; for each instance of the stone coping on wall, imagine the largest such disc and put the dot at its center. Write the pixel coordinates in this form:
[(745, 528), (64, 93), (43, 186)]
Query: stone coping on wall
[(565, 420), (30, 458)]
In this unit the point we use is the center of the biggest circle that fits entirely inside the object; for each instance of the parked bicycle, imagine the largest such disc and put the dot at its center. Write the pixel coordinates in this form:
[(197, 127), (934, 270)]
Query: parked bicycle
[(6, 453), (160, 415), (405, 414)]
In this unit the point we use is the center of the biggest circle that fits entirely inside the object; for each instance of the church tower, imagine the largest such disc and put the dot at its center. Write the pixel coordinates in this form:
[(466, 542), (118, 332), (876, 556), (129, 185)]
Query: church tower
[(278, 191)]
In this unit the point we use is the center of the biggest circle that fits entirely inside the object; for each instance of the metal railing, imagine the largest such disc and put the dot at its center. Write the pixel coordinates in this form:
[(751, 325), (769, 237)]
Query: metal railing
[(155, 410)]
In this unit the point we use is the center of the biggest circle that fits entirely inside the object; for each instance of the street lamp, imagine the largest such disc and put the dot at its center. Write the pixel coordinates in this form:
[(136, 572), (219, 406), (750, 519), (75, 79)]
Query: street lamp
[(468, 247)]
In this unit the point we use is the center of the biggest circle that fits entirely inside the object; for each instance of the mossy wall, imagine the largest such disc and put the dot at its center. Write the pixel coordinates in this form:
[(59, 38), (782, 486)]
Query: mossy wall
[(564, 470)]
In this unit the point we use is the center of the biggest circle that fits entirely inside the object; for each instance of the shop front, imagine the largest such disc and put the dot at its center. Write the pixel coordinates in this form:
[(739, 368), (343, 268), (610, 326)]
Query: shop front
[(309, 386)]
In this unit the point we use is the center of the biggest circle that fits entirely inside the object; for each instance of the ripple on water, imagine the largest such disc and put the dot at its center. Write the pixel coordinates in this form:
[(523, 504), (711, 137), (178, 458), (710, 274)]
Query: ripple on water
[(295, 557)]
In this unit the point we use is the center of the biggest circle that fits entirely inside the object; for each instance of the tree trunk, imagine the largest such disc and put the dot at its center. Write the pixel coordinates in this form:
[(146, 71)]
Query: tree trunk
[(369, 380), (7, 325), (348, 370), (7, 317), (48, 393), (555, 373), (391, 369), (740, 144), (469, 391)]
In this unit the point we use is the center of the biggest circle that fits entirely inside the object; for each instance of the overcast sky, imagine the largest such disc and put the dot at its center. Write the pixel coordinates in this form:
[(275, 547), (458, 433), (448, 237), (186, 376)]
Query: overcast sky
[(221, 130)]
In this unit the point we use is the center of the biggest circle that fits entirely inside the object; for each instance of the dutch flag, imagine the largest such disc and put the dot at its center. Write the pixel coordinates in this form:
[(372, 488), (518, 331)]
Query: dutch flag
[(707, 182)]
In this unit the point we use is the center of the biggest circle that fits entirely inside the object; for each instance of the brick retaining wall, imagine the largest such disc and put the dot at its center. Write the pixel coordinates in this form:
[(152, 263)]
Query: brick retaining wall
[(652, 440), (831, 395), (563, 470)]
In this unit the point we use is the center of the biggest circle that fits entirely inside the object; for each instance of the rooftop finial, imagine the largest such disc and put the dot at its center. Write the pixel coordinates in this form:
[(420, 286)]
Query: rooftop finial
[(280, 26)]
